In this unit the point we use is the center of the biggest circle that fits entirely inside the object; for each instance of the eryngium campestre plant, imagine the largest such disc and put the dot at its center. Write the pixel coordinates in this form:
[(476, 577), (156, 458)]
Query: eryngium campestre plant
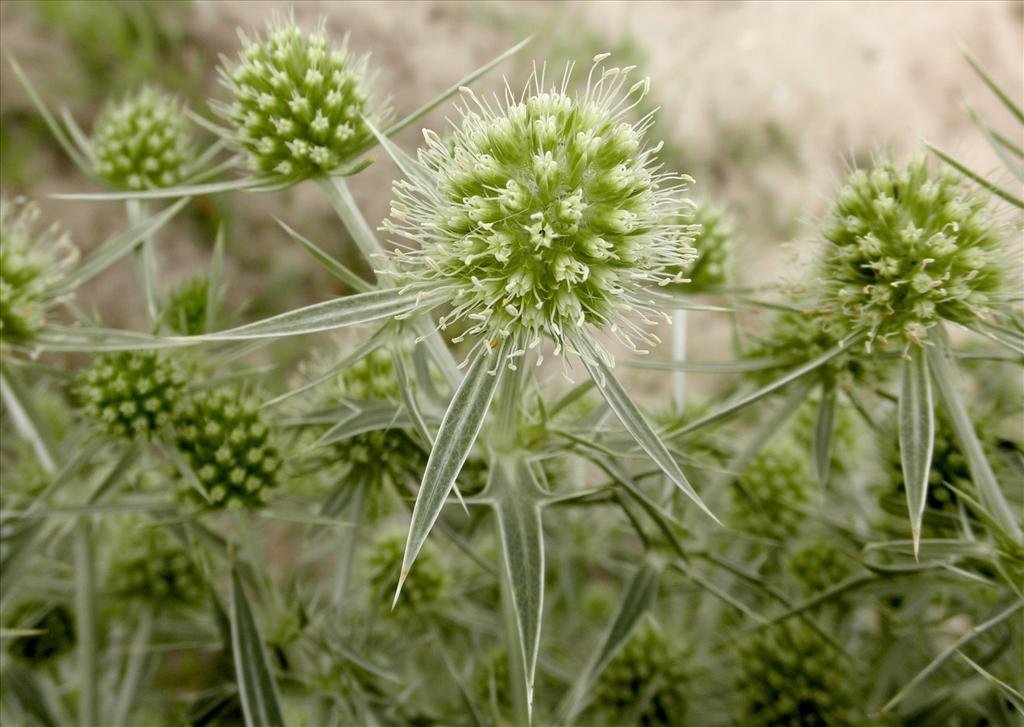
[(544, 214), (131, 394), (790, 677), (300, 103), (905, 250), (771, 489), (32, 262), (146, 562), (646, 676), (143, 142), (227, 442)]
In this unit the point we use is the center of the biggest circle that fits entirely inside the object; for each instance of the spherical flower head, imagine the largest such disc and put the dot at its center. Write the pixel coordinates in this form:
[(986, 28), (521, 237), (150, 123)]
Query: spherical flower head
[(186, 308), (131, 394), (714, 244), (796, 337), (649, 668), (227, 441), (32, 263), (545, 213), (791, 677), (143, 142), (424, 588), (300, 102), (57, 627), (819, 564), (370, 378), (906, 249), (146, 562), (771, 490)]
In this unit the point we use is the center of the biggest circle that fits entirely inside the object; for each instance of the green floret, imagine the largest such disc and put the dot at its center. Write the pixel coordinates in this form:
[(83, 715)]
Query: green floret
[(790, 677), (300, 103), (819, 564), (143, 142), (771, 490), (32, 263), (649, 672), (132, 394), (148, 563), (227, 442), (907, 249)]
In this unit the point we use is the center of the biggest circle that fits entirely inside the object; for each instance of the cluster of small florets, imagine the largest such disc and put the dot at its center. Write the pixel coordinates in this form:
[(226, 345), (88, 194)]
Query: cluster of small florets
[(370, 378), (819, 564), (426, 584), (32, 262), (789, 677), (56, 629), (797, 337), (148, 563), (228, 444), (714, 244), (300, 102), (186, 309), (143, 142), (545, 213), (132, 394), (906, 250), (649, 668), (771, 490)]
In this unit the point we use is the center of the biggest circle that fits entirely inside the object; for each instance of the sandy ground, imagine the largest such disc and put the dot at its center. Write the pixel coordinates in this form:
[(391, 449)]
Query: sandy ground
[(766, 101)]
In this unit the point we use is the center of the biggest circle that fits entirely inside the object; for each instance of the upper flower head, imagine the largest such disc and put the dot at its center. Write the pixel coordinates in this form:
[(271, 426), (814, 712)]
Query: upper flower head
[(143, 142), (906, 250), (544, 213), (32, 262), (300, 102)]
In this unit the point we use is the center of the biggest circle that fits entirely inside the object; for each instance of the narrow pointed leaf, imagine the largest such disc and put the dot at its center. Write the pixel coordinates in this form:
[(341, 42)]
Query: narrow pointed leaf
[(329, 315), (117, 247), (637, 425), (27, 421), (983, 74), (256, 686), (917, 438), (459, 428), (977, 178), (214, 294), (824, 433), (189, 190), (93, 340), (517, 509), (329, 264), (709, 367), (990, 494)]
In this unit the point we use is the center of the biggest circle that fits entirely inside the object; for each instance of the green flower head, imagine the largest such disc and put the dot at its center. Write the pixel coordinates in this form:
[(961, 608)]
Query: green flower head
[(771, 490), (906, 249), (55, 624), (143, 142), (426, 585), (300, 103), (649, 668), (371, 377), (131, 394), (226, 440), (186, 309), (714, 245), (32, 263), (146, 562), (545, 213), (818, 564), (789, 677)]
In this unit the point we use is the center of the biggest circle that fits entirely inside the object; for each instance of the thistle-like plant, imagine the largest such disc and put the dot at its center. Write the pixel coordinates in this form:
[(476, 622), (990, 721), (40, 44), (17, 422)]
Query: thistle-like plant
[(143, 142), (771, 491), (300, 103), (33, 262)]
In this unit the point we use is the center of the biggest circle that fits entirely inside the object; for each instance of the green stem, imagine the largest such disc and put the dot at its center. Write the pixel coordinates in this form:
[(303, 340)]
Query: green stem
[(85, 615), (344, 204), (145, 259), (517, 677), (348, 547), (133, 670), (679, 354)]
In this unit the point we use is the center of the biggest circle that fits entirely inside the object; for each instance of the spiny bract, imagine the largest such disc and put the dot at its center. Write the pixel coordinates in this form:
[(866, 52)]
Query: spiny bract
[(300, 102), (790, 677), (546, 213), (143, 142), (905, 250), (649, 668), (131, 394), (148, 563), (32, 263), (771, 490), (227, 442)]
